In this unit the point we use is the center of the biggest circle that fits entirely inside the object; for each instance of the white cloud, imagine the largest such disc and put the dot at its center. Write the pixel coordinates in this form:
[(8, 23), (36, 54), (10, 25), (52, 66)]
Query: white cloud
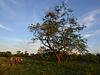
[(98, 31), (92, 34), (88, 35), (15, 44), (90, 19), (9, 11), (4, 6), (5, 28), (18, 3)]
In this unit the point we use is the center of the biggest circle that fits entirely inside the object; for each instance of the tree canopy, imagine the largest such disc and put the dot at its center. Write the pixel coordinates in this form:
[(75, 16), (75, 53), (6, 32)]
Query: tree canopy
[(60, 31)]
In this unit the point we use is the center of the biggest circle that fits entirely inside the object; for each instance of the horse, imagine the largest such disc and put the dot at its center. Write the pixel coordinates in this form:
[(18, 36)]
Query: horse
[(18, 60), (15, 60)]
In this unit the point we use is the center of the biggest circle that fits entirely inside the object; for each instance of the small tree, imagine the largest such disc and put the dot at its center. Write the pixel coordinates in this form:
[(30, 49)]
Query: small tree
[(59, 31), (19, 53), (26, 54), (8, 53)]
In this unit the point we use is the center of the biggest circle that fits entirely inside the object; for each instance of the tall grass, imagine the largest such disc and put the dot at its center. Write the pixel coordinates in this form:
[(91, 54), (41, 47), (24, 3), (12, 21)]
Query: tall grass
[(32, 66)]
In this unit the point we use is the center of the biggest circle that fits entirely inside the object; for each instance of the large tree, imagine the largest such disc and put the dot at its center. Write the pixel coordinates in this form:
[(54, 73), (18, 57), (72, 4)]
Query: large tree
[(59, 31)]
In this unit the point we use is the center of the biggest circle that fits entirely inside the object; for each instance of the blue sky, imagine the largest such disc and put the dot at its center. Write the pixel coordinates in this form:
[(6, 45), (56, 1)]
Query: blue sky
[(16, 15)]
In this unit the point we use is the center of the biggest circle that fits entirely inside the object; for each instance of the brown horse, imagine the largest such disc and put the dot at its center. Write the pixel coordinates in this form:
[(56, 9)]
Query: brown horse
[(18, 60), (15, 60)]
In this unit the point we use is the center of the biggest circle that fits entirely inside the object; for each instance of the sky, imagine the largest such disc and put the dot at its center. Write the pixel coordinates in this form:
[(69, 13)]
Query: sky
[(16, 15)]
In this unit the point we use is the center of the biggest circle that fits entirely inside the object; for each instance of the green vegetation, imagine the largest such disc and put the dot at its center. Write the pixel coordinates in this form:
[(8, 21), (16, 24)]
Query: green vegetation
[(44, 64)]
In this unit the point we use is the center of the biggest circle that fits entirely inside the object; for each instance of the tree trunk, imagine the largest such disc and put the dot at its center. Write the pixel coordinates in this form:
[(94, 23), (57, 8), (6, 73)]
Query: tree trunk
[(58, 59), (57, 55)]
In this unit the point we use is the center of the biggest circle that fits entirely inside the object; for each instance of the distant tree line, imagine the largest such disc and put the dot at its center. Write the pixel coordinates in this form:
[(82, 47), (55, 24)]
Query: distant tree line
[(44, 54), (10, 54)]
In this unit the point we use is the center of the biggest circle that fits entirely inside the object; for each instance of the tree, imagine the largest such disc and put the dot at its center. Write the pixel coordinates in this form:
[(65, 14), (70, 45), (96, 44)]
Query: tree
[(26, 53), (18, 52), (59, 31), (8, 53)]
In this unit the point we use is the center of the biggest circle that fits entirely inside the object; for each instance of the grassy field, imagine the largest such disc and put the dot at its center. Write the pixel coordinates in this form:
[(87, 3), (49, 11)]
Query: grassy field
[(37, 67)]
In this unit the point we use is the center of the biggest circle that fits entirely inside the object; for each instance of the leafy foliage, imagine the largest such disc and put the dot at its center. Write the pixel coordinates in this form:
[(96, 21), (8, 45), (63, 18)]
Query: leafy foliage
[(60, 30)]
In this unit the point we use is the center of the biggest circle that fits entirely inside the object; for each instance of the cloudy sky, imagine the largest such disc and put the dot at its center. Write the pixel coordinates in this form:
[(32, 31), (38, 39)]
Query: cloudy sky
[(16, 15)]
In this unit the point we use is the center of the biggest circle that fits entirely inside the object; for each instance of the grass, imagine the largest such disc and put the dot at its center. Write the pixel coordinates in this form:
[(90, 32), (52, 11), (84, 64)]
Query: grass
[(37, 67)]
